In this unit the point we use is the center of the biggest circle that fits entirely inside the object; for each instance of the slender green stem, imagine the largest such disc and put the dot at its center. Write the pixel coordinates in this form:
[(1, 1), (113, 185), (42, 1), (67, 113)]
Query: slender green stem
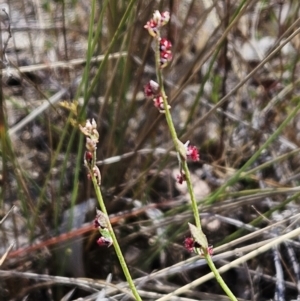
[(192, 195), (186, 170), (174, 135), (115, 241), (219, 278)]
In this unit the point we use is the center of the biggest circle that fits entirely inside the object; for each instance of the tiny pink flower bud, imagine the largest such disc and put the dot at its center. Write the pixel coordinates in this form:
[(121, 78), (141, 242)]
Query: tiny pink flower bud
[(151, 89), (148, 91), (161, 18), (159, 103), (192, 153), (165, 44), (88, 156), (104, 241), (190, 244), (165, 18), (156, 22), (165, 58), (152, 27), (154, 86), (210, 250)]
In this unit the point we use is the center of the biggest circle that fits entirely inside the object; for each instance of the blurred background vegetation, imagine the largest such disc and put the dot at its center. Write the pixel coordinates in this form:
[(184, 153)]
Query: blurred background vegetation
[(233, 86)]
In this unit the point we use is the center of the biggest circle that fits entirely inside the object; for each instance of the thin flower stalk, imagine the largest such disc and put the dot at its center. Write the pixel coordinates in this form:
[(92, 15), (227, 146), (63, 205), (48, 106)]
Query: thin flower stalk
[(163, 55), (102, 221), (173, 130)]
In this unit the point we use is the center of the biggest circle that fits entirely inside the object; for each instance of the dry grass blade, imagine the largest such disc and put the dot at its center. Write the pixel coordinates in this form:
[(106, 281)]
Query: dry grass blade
[(2, 259), (234, 263)]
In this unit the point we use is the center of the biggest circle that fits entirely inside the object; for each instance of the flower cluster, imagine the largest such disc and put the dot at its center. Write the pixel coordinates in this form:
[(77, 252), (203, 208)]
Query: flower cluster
[(153, 26), (165, 52), (191, 152), (100, 222), (187, 152), (152, 90), (92, 138), (191, 245), (159, 19)]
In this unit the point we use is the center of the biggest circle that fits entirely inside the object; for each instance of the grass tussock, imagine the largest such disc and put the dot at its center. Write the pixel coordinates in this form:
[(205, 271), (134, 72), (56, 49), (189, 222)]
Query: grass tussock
[(233, 88)]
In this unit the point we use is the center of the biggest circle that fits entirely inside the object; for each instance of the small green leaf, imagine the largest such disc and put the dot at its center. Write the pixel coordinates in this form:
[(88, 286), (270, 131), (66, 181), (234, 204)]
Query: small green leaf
[(105, 233), (198, 236)]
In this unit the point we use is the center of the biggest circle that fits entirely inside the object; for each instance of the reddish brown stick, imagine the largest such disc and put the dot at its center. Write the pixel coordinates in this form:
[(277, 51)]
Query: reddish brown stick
[(74, 233)]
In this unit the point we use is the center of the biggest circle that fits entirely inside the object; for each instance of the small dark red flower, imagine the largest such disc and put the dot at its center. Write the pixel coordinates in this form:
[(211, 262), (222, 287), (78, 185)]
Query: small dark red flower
[(189, 244), (96, 223), (192, 153), (151, 89), (88, 157), (181, 178), (165, 58), (152, 27), (103, 241), (158, 20), (164, 44), (159, 103)]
